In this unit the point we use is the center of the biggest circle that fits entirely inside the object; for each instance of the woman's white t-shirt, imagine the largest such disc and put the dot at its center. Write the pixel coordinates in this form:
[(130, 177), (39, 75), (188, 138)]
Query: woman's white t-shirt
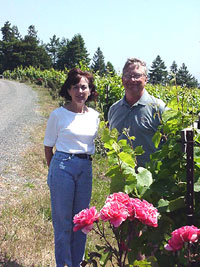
[(72, 132)]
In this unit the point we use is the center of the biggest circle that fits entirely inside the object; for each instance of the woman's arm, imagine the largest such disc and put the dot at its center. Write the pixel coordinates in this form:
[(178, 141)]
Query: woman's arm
[(48, 154)]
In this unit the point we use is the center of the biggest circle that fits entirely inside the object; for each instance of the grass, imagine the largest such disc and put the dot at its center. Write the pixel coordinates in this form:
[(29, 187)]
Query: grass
[(26, 233)]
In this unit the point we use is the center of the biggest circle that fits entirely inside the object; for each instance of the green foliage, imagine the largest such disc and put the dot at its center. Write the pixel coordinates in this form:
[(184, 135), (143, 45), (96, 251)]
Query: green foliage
[(16, 51), (163, 182), (110, 69), (122, 163), (71, 53), (51, 79), (109, 90), (52, 48), (98, 64), (184, 78), (158, 72)]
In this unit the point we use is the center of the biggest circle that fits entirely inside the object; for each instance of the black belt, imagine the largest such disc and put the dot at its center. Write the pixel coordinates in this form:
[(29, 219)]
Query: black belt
[(82, 156)]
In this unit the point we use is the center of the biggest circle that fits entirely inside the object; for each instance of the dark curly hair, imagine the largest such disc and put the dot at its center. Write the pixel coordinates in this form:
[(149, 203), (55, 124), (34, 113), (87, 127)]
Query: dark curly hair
[(73, 78)]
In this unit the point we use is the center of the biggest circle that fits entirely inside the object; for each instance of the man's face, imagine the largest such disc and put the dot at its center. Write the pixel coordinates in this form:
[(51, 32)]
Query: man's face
[(134, 80)]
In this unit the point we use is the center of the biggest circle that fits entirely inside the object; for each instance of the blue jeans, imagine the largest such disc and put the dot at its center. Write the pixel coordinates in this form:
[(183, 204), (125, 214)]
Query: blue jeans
[(70, 183)]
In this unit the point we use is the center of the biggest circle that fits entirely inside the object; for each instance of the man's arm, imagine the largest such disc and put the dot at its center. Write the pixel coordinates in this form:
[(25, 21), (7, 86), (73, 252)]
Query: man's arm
[(48, 154)]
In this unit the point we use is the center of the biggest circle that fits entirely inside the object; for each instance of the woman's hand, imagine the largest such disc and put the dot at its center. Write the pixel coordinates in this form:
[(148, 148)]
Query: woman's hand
[(48, 154)]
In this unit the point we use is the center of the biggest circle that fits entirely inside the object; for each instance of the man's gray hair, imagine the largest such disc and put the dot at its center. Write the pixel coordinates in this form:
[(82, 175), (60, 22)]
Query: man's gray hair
[(137, 62)]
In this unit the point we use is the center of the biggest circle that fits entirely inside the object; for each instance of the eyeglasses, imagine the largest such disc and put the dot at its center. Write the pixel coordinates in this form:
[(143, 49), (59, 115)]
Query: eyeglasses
[(136, 76)]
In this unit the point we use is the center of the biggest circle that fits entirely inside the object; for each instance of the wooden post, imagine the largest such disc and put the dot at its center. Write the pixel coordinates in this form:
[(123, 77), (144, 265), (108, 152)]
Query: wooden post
[(107, 99), (187, 140)]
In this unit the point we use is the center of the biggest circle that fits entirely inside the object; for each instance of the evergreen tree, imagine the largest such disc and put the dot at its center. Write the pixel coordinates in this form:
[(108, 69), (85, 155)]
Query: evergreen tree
[(72, 53), (16, 51), (32, 32), (184, 78), (158, 73), (110, 68), (35, 54), (62, 54), (173, 73), (98, 62), (77, 52), (9, 46), (7, 32), (52, 48), (16, 33), (174, 67)]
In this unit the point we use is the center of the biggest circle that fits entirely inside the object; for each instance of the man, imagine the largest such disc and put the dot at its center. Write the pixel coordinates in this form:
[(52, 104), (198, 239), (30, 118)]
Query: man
[(137, 111)]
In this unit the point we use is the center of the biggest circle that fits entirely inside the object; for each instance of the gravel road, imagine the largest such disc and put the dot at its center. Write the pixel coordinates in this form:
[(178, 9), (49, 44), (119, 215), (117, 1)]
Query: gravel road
[(18, 114)]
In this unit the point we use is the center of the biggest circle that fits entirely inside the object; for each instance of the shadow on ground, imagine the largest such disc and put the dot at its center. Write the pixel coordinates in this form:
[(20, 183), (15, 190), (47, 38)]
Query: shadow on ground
[(5, 262)]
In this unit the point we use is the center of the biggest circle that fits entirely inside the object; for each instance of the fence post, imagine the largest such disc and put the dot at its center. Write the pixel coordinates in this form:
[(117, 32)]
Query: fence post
[(187, 141), (107, 100)]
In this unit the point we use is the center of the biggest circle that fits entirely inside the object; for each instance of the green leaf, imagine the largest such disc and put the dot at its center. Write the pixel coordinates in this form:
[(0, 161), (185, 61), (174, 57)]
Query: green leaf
[(176, 204), (127, 158), (112, 171), (197, 186), (163, 203), (108, 144), (116, 147), (129, 188), (156, 139), (139, 150), (144, 177), (143, 263), (122, 142), (170, 114), (117, 183), (104, 258)]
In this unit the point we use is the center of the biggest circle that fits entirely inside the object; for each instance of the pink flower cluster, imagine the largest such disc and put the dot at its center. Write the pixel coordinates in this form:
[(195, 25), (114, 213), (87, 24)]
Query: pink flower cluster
[(131, 208), (181, 235), (145, 212), (84, 220), (118, 208)]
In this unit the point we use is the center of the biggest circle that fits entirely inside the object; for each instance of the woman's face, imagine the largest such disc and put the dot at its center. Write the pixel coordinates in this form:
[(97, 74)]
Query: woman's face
[(80, 91)]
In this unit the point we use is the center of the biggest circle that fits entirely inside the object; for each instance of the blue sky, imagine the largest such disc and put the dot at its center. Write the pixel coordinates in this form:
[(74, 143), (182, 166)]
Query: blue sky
[(121, 28)]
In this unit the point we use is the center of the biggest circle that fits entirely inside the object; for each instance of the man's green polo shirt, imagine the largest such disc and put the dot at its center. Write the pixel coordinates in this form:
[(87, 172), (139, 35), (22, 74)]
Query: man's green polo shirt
[(142, 119)]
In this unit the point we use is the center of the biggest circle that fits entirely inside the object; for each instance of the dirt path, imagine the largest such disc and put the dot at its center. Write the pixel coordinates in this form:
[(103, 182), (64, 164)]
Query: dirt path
[(18, 114)]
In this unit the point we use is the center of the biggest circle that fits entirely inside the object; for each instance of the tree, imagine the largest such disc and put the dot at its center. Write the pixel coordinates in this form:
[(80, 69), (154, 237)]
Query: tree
[(52, 48), (16, 51), (7, 32), (9, 47), (16, 33), (72, 53), (173, 72), (174, 67), (110, 68), (32, 32), (158, 72), (34, 54), (98, 62), (184, 78)]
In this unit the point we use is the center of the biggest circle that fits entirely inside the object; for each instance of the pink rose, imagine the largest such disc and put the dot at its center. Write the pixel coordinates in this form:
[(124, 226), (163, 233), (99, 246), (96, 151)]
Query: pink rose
[(144, 212), (181, 235), (189, 233), (84, 220), (121, 198), (114, 212)]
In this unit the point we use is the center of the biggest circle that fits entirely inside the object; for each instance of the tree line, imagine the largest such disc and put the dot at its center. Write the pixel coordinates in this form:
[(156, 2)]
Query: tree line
[(59, 54)]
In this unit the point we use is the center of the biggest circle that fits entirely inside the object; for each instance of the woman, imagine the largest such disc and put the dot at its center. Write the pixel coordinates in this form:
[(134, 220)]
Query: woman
[(72, 130)]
